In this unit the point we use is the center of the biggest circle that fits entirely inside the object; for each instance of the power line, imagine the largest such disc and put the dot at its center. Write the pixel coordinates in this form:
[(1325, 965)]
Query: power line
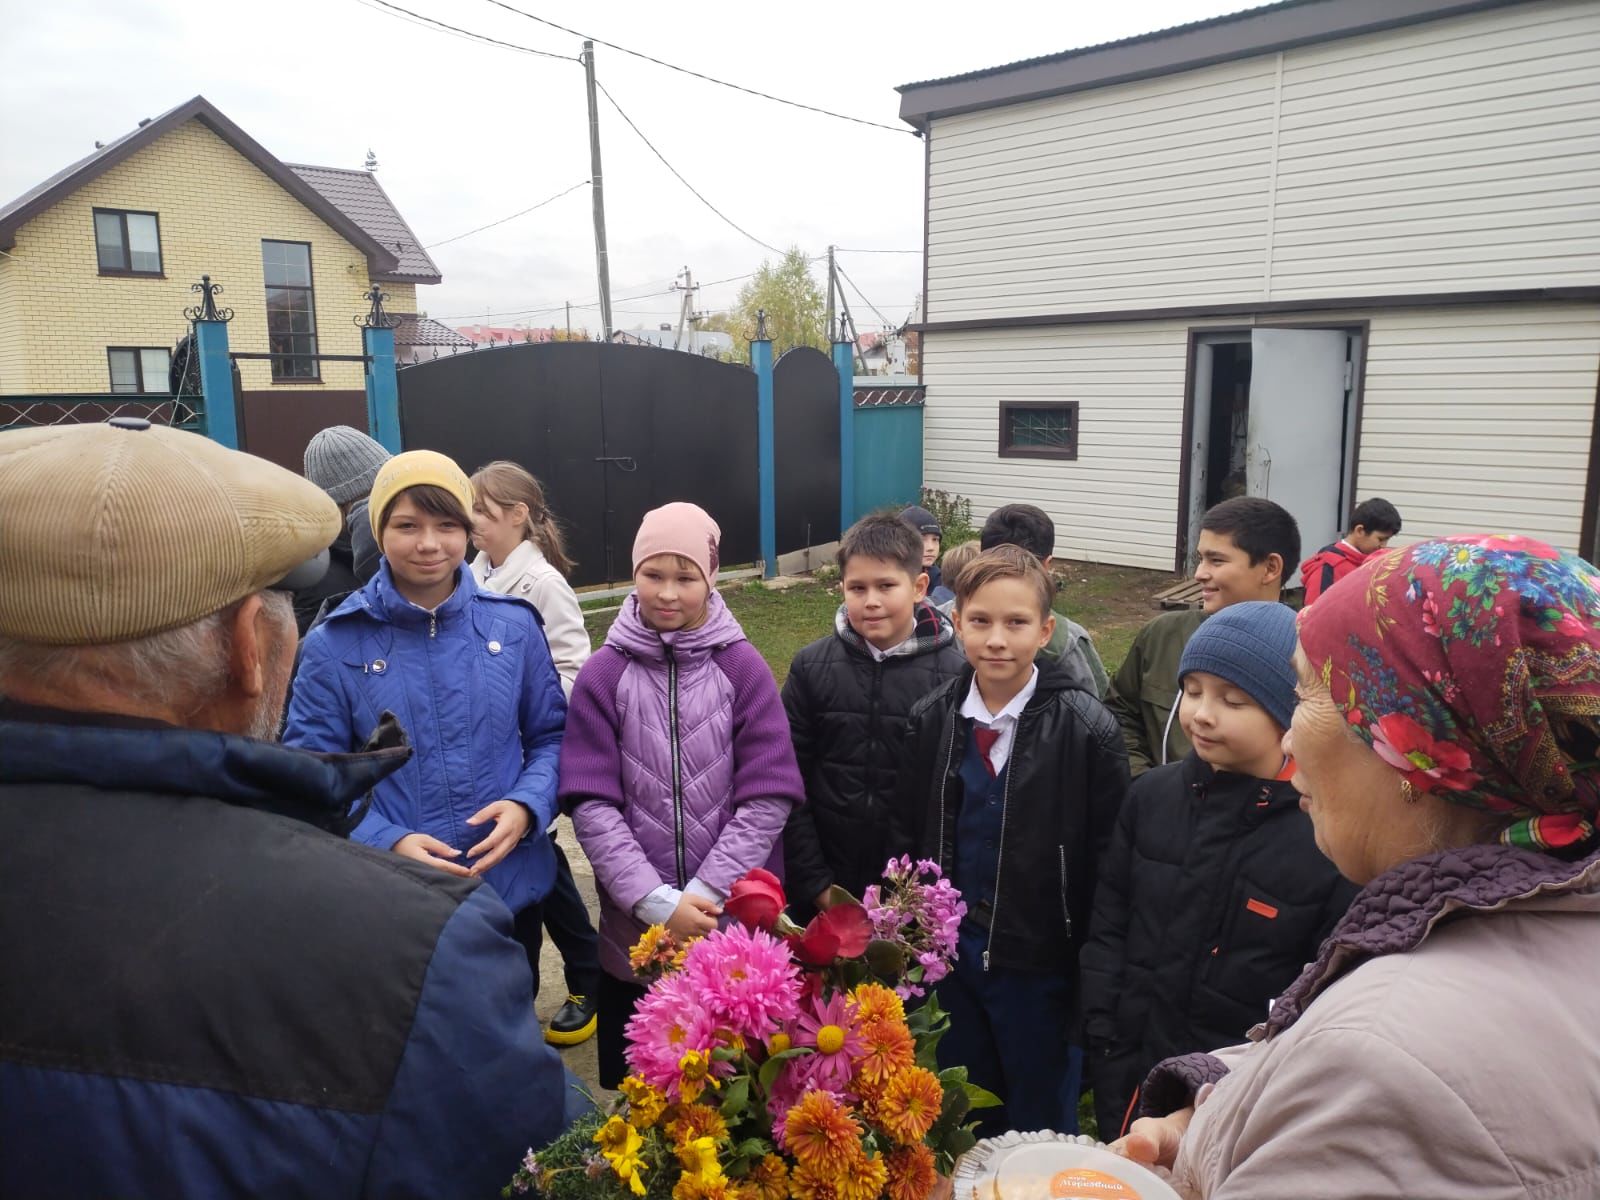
[(862, 294), (729, 221), (416, 17), (512, 217), (698, 75)]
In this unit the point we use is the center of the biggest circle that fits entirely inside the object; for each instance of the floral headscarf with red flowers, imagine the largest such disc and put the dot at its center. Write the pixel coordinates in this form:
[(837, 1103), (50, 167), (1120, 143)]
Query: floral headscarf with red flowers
[(1472, 666)]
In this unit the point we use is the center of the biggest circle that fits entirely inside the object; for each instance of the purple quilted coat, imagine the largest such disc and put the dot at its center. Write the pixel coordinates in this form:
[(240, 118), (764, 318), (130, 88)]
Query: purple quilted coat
[(676, 765)]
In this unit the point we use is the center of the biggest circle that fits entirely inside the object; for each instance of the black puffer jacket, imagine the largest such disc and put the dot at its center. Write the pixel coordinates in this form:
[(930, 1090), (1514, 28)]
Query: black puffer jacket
[(1067, 777), (847, 714), (1212, 898)]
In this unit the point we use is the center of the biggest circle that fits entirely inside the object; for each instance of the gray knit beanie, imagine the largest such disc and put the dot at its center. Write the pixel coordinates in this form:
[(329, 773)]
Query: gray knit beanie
[(343, 462), (1251, 645)]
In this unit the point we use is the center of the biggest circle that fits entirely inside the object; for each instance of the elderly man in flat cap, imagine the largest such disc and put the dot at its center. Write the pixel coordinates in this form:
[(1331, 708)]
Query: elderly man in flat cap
[(205, 989)]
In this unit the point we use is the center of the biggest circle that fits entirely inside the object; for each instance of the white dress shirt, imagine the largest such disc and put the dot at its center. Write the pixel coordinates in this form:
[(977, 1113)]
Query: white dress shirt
[(1003, 722)]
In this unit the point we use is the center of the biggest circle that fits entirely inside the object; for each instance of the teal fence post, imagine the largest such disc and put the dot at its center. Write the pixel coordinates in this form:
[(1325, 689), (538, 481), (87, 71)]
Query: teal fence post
[(766, 477), (221, 415), (383, 385), (844, 364)]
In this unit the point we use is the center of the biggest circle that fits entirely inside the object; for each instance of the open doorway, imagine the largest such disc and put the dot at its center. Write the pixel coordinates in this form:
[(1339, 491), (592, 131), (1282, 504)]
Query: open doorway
[(1272, 412)]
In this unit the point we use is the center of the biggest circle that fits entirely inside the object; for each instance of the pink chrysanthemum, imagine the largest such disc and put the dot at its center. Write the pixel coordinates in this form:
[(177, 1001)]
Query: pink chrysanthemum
[(745, 980), (666, 1024), (828, 1027)]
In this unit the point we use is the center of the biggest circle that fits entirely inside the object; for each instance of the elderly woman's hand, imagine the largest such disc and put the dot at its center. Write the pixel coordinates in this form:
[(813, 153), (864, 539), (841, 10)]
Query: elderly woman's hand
[(1154, 1140)]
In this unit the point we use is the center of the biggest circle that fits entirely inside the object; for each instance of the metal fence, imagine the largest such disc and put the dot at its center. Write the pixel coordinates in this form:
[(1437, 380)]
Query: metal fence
[(88, 408)]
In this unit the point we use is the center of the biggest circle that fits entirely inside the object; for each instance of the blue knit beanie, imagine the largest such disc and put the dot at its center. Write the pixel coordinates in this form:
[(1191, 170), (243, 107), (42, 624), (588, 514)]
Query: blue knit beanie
[(1251, 645)]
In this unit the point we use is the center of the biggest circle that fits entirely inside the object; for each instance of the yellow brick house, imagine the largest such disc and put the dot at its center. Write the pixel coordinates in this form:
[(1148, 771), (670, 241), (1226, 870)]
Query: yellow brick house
[(98, 261)]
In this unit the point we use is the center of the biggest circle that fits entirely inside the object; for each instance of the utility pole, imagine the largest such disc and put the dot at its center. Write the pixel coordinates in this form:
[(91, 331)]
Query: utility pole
[(686, 311), (602, 265), (569, 320), (833, 282)]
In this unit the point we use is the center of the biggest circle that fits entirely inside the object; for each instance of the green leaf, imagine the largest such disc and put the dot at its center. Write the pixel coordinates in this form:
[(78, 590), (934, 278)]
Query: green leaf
[(887, 960), (956, 1105), (928, 1050), (961, 1140), (980, 1097), (725, 1054), (736, 1097), (953, 1075), (838, 895), (770, 1068)]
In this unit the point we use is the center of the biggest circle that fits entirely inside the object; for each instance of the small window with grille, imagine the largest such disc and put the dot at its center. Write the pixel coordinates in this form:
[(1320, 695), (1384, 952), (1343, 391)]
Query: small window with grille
[(1039, 429)]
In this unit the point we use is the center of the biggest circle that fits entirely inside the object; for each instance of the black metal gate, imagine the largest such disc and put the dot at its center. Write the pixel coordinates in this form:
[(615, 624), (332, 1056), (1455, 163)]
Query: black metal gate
[(805, 397), (610, 430)]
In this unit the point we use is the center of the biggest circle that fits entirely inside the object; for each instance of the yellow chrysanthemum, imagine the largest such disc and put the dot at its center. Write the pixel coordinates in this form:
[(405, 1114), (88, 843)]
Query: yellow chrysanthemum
[(911, 1173), (808, 1183), (821, 1134), (690, 1121), (645, 1103), (874, 1002), (689, 1187), (890, 1050), (768, 1180), (644, 950), (910, 1104), (864, 1179)]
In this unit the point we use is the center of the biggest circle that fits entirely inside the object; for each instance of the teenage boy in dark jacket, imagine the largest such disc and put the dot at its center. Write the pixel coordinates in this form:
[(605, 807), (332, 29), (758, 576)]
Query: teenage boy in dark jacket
[(1248, 548), (1214, 893), (848, 696), (1012, 778)]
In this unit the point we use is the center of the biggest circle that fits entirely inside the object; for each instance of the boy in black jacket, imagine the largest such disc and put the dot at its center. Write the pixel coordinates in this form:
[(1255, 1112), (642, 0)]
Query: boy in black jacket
[(848, 696), (1012, 778), (1214, 893)]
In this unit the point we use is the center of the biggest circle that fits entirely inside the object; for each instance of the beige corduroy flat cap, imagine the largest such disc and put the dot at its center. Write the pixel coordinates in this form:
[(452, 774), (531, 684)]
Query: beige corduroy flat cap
[(117, 531)]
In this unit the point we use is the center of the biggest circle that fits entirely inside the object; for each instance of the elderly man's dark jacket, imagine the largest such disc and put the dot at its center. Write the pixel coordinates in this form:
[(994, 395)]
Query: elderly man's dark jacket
[(208, 991)]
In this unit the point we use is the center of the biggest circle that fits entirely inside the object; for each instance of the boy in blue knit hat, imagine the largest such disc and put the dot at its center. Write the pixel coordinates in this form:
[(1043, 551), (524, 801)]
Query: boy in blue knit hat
[(1213, 894)]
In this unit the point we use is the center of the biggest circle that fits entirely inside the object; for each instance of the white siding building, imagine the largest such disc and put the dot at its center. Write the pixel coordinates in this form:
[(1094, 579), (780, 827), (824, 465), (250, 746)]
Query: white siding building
[(1318, 251)]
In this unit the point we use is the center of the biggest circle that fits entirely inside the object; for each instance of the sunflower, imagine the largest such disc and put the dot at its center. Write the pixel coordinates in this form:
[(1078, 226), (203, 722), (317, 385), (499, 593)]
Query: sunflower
[(911, 1173), (821, 1134), (910, 1104)]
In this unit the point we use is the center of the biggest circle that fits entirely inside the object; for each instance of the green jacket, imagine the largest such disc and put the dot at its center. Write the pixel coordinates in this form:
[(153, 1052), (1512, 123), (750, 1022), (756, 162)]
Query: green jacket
[(1145, 690), (1071, 646)]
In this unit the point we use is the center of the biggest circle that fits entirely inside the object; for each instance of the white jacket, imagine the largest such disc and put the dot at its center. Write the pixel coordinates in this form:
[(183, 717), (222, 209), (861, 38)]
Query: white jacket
[(527, 575)]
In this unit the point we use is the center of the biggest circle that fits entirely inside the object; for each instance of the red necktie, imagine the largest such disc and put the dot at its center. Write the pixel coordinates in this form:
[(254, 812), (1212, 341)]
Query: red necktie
[(986, 740)]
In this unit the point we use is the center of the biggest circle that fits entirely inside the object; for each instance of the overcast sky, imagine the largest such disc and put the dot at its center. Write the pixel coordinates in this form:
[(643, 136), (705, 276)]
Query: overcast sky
[(467, 133)]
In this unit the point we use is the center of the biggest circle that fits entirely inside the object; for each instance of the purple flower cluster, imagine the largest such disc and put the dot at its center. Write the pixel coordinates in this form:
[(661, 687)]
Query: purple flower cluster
[(920, 911)]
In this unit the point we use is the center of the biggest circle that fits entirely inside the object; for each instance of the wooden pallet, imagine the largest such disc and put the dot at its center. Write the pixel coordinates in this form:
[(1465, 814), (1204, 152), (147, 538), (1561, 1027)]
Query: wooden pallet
[(1180, 595)]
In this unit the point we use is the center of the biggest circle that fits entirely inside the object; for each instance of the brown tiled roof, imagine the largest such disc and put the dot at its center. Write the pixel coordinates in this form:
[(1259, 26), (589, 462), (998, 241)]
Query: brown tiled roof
[(381, 261), (415, 330), (359, 196), (900, 396)]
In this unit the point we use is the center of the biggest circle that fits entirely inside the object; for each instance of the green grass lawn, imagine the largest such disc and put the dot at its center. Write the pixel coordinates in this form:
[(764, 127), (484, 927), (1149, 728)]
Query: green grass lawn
[(778, 623)]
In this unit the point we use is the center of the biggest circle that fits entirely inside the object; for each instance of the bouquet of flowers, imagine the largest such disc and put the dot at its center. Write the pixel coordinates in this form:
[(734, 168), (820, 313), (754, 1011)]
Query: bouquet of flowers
[(770, 1061)]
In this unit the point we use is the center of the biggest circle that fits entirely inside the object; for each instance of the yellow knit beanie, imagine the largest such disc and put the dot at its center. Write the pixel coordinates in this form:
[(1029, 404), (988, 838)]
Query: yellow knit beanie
[(413, 469)]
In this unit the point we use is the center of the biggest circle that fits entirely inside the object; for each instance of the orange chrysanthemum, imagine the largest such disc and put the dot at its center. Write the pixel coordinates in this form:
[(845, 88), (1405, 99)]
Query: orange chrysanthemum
[(890, 1050), (864, 1179), (911, 1173), (910, 1105), (693, 1187), (821, 1134), (873, 1002), (768, 1180), (807, 1183), (689, 1121)]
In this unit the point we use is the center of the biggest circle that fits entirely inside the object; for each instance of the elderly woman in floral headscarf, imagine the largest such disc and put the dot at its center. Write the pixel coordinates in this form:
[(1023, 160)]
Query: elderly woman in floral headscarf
[(1446, 1041)]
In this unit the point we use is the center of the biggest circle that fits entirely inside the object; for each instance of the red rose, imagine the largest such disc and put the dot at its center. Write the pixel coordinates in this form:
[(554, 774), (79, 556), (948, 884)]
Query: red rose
[(841, 932), (756, 900)]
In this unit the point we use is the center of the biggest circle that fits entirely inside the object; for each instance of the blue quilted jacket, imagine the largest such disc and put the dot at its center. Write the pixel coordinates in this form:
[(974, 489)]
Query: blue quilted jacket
[(474, 687)]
